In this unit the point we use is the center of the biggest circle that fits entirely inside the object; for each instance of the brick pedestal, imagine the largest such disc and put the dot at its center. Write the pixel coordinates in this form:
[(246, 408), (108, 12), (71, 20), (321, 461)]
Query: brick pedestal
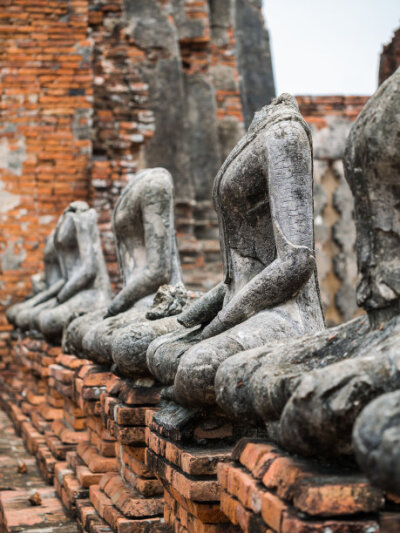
[(186, 462), (266, 490), (104, 480), (118, 465)]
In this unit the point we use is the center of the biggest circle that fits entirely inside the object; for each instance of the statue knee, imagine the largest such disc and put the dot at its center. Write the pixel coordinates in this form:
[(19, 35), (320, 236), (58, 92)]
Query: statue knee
[(194, 380), (96, 346), (50, 324), (226, 381), (11, 313), (74, 335), (376, 441), (162, 360), (128, 350), (23, 319), (154, 359)]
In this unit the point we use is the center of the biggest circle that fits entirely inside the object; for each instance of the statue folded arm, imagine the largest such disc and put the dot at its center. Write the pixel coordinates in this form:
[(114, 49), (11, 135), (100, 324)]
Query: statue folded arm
[(155, 207), (289, 170), (86, 273), (52, 291)]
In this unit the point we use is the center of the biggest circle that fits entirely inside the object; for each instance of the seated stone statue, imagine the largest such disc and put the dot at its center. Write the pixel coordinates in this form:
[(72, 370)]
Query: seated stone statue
[(143, 225), (264, 201), (22, 314), (87, 286), (320, 415)]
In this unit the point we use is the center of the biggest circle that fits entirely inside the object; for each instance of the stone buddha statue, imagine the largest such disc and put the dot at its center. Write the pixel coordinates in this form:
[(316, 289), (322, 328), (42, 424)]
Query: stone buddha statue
[(21, 314), (264, 201), (144, 230), (324, 404), (86, 284)]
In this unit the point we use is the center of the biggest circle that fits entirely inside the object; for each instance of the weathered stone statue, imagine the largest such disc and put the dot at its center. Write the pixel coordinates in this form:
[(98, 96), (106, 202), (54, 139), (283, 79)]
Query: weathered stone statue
[(87, 286), (22, 314), (263, 198), (320, 415), (143, 225), (376, 441)]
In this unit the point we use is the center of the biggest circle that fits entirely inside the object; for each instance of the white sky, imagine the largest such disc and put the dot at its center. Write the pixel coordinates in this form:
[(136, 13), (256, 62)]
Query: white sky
[(329, 46)]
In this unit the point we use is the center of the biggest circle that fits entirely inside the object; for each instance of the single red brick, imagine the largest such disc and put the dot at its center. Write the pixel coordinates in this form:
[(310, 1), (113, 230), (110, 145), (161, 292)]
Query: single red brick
[(272, 510)]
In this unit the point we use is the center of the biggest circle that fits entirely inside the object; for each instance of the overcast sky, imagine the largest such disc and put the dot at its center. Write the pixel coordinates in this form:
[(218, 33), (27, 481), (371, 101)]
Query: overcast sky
[(329, 46)]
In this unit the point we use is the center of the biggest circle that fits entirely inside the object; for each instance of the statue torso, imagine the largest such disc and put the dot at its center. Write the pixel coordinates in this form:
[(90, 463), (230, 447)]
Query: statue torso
[(51, 265), (67, 246), (148, 187), (129, 231), (244, 203)]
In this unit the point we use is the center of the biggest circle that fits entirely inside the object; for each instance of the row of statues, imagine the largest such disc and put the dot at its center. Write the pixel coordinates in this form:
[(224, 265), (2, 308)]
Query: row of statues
[(256, 344)]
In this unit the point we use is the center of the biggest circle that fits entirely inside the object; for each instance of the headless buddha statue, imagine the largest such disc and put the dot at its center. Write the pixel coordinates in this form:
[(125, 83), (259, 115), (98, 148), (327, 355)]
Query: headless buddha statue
[(86, 283), (323, 385), (143, 225), (22, 314), (264, 201)]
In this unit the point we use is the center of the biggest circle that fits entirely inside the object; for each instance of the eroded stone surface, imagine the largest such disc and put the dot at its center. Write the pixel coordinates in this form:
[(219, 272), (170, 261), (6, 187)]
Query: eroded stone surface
[(376, 440)]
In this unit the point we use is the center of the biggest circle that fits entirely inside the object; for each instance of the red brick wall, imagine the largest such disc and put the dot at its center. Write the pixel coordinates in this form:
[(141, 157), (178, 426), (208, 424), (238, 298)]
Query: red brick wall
[(122, 121), (316, 109), (45, 148)]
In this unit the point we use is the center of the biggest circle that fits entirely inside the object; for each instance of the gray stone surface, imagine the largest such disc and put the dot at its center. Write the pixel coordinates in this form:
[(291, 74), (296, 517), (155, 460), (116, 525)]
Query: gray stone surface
[(87, 286), (152, 29), (321, 413), (376, 440), (263, 198), (257, 86), (344, 235), (202, 133), (21, 314)]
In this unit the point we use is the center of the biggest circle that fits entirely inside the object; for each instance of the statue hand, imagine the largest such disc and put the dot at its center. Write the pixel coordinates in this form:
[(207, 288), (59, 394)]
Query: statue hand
[(112, 310), (117, 306), (215, 327)]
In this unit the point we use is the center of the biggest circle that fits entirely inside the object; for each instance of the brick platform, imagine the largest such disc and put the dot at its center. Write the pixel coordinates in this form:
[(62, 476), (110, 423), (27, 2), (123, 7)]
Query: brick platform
[(265, 489), (117, 468), (188, 471)]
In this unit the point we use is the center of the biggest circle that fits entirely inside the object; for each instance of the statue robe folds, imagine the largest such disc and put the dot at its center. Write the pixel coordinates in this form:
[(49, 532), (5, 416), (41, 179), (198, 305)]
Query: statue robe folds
[(264, 201)]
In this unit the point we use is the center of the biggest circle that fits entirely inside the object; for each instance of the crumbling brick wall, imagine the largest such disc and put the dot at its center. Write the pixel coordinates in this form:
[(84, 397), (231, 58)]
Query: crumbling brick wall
[(91, 92), (390, 57), (45, 114), (330, 118)]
